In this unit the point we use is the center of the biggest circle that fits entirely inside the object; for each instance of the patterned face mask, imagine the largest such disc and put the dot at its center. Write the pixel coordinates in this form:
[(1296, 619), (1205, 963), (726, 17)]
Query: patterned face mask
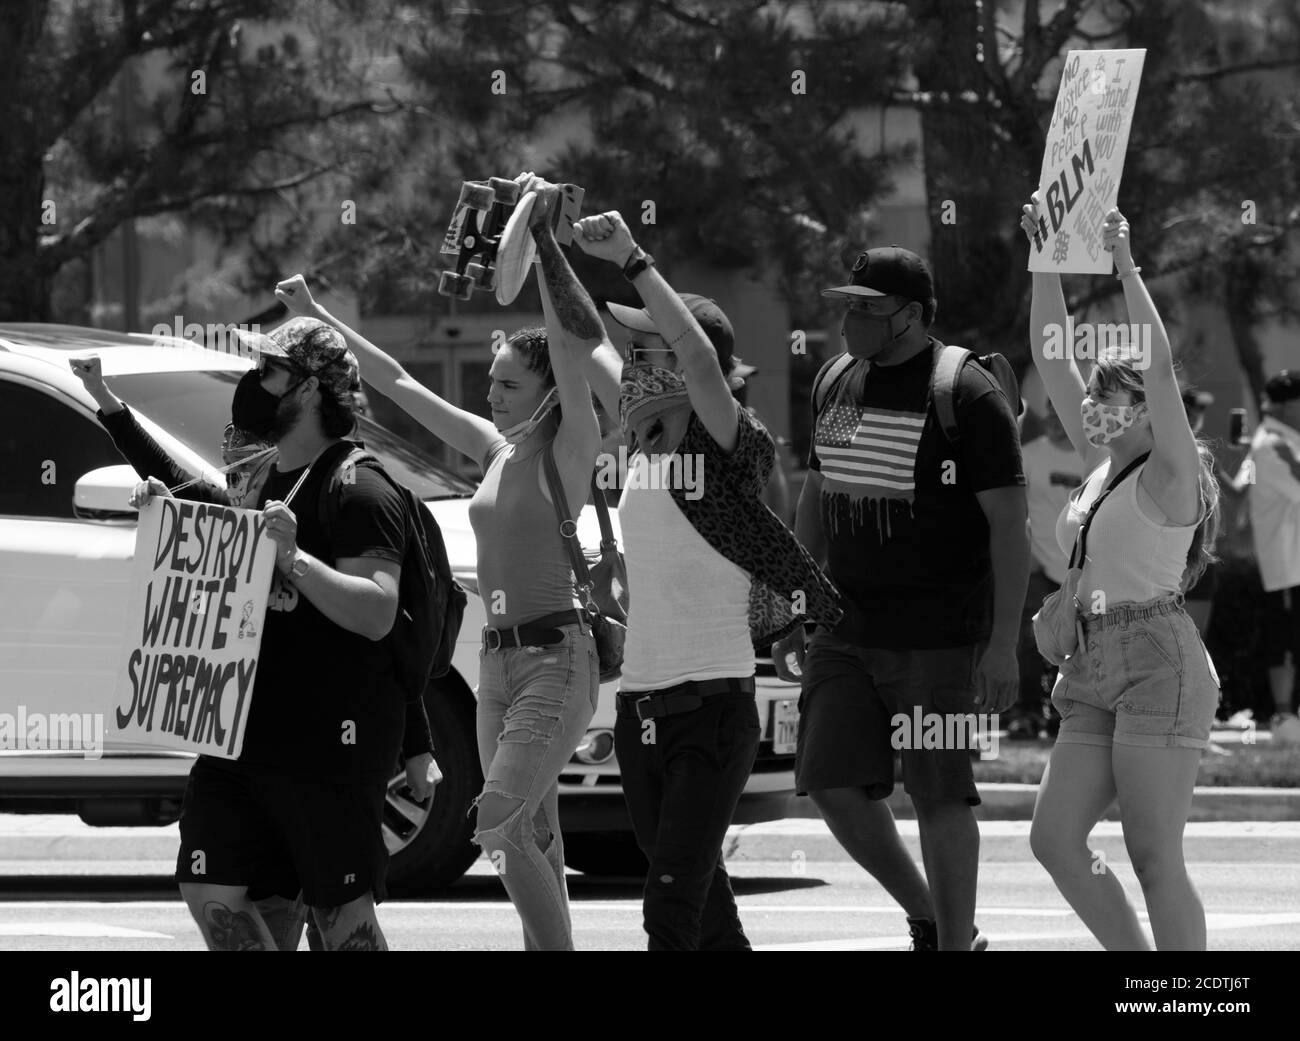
[(1103, 423)]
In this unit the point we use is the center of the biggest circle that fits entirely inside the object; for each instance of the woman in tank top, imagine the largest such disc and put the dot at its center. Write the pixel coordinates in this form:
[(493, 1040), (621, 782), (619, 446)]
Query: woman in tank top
[(538, 673), (1138, 696)]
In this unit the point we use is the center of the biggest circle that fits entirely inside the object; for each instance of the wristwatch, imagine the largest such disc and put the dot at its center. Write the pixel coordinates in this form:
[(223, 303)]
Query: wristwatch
[(636, 263), (301, 565)]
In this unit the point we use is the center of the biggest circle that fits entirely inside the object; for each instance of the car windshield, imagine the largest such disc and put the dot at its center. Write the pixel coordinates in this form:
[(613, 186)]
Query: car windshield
[(194, 407)]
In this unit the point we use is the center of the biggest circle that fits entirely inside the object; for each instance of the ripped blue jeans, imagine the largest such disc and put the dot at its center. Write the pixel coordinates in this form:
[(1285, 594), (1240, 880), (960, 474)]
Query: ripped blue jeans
[(534, 704)]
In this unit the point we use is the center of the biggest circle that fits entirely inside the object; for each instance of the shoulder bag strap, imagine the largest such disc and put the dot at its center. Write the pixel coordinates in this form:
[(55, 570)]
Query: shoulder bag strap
[(1081, 543), (569, 531), (607, 541)]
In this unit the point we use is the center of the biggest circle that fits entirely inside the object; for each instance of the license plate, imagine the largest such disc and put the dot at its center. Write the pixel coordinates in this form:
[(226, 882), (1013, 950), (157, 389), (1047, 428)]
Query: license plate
[(785, 727)]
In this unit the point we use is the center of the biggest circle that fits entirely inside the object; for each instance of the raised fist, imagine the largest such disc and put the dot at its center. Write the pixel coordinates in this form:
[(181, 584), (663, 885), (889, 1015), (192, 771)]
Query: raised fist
[(295, 295), (605, 236)]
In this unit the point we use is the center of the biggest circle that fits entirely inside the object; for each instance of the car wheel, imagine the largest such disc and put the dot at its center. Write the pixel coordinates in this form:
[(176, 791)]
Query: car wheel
[(605, 853), (430, 846)]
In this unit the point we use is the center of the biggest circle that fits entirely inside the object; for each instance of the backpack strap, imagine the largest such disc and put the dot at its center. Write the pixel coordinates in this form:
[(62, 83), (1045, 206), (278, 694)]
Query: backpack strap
[(948, 363), (827, 380), (356, 455)]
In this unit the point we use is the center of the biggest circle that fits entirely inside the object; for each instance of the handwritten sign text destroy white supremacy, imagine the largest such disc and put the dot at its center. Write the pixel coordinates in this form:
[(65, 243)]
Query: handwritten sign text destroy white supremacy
[(202, 577)]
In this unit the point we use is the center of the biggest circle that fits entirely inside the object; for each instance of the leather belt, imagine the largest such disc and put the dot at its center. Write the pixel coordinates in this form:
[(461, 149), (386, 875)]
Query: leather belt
[(540, 632), (682, 697)]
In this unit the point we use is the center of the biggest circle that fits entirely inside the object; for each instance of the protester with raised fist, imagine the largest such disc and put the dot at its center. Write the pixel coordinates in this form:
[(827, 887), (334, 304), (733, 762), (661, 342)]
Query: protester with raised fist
[(713, 573), (538, 672), (248, 461), (303, 804), (1137, 692)]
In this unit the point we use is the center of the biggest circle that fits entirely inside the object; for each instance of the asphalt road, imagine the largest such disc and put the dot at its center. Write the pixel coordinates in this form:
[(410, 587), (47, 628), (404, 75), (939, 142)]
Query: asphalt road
[(67, 887)]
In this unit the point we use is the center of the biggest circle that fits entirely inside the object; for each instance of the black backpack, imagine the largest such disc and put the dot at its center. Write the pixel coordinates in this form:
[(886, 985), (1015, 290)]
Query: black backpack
[(431, 603), (948, 363)]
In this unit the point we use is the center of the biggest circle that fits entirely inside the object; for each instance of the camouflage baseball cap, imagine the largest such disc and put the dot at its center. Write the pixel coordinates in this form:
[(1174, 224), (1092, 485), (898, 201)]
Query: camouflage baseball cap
[(309, 345)]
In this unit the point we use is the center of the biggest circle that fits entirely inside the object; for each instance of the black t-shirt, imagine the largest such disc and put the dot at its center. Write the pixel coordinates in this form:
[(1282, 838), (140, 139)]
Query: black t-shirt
[(326, 704), (907, 541)]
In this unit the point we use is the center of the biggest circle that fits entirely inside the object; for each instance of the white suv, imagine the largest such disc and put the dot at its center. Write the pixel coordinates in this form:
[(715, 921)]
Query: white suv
[(67, 536)]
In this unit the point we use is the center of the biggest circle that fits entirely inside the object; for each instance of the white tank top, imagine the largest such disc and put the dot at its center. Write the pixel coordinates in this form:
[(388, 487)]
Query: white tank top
[(688, 617), (1131, 558)]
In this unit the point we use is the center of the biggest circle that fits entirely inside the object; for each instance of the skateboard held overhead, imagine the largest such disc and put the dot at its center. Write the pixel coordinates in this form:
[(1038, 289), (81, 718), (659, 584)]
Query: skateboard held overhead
[(488, 245)]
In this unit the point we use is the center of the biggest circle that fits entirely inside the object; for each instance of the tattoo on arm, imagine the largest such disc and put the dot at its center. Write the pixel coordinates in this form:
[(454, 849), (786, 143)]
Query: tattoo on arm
[(573, 305), (231, 930)]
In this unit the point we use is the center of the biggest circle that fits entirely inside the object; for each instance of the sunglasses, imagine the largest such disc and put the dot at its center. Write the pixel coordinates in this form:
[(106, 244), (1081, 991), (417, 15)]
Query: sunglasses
[(266, 366), (663, 357)]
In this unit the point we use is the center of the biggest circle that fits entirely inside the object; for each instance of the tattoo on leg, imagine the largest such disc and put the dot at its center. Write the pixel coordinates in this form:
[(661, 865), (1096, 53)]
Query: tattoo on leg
[(232, 930), (365, 937), (573, 306)]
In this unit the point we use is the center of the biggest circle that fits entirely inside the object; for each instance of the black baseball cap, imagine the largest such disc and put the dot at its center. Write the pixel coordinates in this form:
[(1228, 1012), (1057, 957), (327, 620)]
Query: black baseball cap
[(716, 325), (1283, 387), (888, 271)]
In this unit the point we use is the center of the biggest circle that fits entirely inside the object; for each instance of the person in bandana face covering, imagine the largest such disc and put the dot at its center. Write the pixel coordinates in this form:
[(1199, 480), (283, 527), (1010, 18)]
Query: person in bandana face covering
[(712, 574), (1138, 696)]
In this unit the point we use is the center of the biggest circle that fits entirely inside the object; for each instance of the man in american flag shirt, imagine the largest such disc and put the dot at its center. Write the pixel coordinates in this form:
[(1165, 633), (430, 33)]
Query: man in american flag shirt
[(927, 542)]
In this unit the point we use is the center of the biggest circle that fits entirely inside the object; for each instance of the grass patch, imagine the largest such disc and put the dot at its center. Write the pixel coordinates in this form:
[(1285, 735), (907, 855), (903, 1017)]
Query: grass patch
[(1245, 766)]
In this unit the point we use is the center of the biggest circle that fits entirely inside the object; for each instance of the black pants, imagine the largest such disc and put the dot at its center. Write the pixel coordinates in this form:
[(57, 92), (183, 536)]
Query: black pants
[(682, 778)]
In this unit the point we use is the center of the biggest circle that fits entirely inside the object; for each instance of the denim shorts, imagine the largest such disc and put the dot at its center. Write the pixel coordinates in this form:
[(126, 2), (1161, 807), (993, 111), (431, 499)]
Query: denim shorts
[(1141, 676)]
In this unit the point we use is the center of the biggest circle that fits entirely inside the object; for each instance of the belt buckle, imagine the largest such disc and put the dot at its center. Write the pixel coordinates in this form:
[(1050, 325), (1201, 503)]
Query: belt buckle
[(488, 633), (636, 705)]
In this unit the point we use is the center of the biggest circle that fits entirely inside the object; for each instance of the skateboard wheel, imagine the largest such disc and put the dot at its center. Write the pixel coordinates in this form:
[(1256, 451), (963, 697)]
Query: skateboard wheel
[(452, 284), (476, 195), (475, 271), (506, 191)]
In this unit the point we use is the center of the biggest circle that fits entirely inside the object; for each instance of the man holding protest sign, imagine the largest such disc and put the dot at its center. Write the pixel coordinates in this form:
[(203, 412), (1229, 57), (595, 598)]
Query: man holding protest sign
[(303, 802)]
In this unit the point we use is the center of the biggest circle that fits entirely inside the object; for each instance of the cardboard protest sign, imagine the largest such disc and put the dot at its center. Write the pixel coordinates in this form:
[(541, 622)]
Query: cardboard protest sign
[(201, 577), (1084, 159)]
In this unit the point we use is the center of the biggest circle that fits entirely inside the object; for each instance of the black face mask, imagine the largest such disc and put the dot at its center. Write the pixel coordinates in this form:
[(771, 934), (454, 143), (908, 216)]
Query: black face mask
[(254, 408), (866, 335)]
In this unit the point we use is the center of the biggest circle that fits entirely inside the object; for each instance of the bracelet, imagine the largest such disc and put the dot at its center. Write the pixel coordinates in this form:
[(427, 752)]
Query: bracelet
[(1135, 270)]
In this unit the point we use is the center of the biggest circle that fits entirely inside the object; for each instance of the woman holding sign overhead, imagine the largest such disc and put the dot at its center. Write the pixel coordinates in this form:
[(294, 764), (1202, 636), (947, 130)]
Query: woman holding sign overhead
[(1137, 691), (538, 674)]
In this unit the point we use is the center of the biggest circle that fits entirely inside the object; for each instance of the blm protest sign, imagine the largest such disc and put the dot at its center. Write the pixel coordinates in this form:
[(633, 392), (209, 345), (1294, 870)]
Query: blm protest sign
[(193, 630), (1084, 159)]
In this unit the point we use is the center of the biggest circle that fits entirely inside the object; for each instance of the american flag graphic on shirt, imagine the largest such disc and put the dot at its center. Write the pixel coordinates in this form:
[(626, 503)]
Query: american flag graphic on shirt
[(868, 461)]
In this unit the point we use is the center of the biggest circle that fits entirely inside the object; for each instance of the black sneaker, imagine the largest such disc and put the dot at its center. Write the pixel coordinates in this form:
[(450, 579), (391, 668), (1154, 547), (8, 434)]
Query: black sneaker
[(925, 936)]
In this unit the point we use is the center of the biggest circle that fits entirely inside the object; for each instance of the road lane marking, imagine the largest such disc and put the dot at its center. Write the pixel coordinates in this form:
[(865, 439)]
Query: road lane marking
[(79, 929)]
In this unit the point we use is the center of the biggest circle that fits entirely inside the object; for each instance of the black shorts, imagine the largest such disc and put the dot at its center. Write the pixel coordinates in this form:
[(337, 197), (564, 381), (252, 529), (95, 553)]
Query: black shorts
[(859, 705), (1281, 627), (249, 826)]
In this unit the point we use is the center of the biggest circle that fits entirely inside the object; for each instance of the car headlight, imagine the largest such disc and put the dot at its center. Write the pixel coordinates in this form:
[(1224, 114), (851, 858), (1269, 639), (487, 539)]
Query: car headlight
[(596, 747)]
